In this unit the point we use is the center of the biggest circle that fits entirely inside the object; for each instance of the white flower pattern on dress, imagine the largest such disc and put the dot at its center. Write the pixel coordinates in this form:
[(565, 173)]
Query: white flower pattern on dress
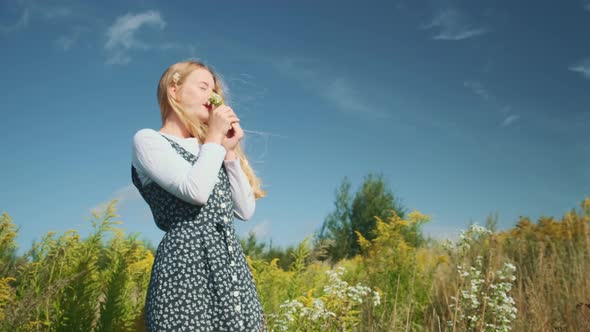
[(200, 280)]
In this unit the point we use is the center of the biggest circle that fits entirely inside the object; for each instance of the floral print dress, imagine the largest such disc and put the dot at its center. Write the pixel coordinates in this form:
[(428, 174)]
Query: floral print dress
[(200, 280)]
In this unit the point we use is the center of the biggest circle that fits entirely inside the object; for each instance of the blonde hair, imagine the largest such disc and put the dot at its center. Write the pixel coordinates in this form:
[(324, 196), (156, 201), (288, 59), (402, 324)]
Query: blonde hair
[(176, 75)]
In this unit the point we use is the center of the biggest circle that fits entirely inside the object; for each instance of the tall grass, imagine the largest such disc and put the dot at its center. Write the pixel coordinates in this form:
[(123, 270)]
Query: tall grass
[(532, 277), (73, 284)]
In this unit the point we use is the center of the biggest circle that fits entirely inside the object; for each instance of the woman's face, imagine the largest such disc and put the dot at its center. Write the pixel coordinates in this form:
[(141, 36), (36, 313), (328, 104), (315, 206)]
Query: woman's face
[(195, 93)]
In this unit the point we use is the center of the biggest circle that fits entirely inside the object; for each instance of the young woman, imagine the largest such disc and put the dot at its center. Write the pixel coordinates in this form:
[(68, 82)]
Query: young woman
[(195, 178)]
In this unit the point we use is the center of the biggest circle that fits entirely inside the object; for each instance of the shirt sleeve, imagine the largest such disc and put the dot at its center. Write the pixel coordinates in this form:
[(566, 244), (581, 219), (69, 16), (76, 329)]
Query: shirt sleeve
[(242, 192), (163, 165)]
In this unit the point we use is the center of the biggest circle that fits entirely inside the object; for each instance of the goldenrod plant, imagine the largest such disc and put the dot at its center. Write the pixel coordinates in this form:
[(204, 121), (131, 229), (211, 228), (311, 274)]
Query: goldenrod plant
[(530, 277)]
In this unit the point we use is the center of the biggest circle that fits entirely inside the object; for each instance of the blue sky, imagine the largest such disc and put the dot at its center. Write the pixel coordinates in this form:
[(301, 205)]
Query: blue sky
[(466, 109)]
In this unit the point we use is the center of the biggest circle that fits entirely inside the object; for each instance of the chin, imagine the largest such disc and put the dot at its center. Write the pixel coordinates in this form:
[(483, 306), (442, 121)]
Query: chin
[(201, 118)]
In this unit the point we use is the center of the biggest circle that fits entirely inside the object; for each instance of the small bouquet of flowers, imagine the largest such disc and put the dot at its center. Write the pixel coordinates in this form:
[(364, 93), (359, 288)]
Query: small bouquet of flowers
[(215, 99)]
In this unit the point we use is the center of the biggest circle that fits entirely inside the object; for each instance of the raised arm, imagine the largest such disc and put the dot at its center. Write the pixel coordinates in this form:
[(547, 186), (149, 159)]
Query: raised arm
[(163, 165)]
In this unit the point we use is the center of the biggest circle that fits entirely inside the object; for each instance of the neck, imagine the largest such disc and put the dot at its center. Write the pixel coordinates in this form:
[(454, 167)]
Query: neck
[(173, 126)]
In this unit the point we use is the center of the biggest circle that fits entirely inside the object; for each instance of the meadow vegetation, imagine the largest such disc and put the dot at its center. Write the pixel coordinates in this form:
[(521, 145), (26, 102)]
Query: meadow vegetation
[(369, 268)]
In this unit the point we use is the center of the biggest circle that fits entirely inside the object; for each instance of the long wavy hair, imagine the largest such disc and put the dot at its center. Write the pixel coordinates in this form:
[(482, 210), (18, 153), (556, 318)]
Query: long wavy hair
[(176, 75)]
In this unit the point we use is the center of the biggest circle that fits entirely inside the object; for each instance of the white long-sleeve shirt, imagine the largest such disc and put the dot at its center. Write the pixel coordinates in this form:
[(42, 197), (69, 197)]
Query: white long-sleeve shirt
[(155, 160)]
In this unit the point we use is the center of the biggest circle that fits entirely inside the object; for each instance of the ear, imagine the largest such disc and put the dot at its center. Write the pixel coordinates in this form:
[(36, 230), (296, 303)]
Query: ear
[(172, 91)]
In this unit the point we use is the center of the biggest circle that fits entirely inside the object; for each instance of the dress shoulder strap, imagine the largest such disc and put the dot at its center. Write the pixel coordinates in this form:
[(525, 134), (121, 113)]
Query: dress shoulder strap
[(187, 155)]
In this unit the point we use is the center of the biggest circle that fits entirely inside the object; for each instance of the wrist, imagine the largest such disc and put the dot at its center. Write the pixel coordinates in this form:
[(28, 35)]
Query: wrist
[(231, 155), (218, 139)]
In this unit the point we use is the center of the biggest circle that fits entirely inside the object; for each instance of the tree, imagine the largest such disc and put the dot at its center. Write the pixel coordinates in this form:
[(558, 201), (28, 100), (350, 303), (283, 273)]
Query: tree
[(373, 199), (251, 246), (336, 229)]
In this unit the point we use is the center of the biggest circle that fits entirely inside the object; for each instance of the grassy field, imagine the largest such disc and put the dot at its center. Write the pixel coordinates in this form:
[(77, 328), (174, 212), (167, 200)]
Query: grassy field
[(532, 277)]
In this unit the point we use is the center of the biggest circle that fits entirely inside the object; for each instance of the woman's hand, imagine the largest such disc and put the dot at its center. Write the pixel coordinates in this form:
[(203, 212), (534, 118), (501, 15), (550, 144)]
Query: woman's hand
[(220, 123), (233, 137)]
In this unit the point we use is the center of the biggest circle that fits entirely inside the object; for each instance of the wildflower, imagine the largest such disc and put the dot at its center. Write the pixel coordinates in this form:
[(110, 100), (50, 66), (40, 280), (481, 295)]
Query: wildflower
[(216, 99), (376, 298), (294, 314)]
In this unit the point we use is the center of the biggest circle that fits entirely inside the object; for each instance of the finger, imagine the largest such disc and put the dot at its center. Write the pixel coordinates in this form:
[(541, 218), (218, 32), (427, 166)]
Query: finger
[(221, 111), (226, 110), (227, 128), (239, 133), (229, 111), (238, 129), (230, 115)]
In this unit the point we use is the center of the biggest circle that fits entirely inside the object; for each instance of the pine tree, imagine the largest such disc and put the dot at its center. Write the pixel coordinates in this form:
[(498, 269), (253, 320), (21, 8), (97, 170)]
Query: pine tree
[(373, 199)]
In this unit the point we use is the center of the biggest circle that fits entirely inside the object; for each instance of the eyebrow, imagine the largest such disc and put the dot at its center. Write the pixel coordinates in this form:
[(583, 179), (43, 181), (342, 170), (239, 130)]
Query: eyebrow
[(204, 82)]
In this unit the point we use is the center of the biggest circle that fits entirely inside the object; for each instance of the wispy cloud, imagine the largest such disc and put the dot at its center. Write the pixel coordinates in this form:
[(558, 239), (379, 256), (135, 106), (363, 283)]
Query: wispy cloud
[(122, 35), (124, 195), (55, 12), (454, 25), (510, 119), (582, 67), (342, 93), (478, 89), (67, 41), (191, 50), (36, 10), (261, 229), (22, 22), (339, 91)]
